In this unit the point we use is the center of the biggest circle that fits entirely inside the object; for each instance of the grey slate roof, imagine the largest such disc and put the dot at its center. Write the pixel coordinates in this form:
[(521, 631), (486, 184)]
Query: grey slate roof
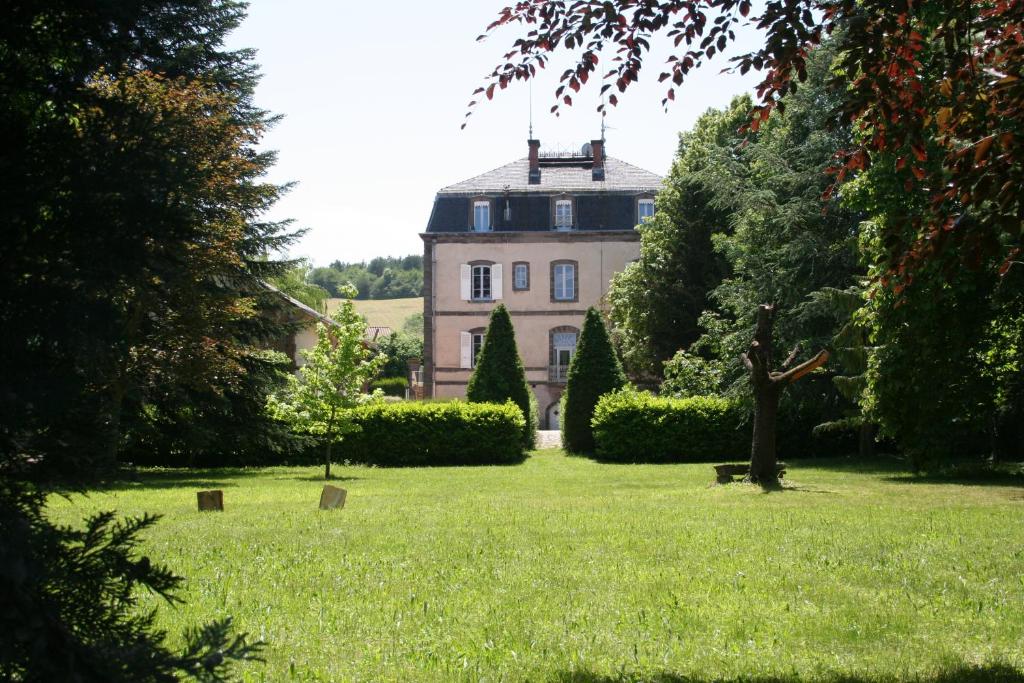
[(618, 176)]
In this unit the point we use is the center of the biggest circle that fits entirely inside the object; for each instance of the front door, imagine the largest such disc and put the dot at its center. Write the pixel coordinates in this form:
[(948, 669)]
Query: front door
[(553, 412)]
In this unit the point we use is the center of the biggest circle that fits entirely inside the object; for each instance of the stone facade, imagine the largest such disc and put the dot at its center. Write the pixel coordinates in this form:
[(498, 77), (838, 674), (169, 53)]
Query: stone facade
[(468, 270)]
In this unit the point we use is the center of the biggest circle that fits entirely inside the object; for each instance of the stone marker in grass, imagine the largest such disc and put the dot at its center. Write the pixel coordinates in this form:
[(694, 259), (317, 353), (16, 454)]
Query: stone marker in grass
[(210, 500), (332, 497)]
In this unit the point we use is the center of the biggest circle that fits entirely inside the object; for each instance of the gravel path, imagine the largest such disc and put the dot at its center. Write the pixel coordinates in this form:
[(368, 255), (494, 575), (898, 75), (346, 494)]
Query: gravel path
[(549, 438)]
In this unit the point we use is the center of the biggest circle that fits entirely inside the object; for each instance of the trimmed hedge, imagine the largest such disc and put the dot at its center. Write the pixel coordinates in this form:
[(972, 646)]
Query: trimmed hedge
[(391, 386), (631, 426), (454, 433)]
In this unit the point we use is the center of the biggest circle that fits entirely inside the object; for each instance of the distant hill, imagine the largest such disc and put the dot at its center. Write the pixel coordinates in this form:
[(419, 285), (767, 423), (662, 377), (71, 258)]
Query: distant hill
[(385, 277), (384, 312)]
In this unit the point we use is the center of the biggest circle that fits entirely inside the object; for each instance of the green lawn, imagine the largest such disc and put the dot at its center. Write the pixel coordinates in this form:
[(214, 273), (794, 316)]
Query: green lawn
[(562, 569), (383, 312)]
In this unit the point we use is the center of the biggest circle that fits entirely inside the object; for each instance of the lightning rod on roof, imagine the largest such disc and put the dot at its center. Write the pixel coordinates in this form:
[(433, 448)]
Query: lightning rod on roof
[(531, 109)]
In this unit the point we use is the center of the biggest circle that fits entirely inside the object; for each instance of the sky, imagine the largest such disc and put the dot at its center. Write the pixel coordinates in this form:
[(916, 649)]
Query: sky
[(373, 95)]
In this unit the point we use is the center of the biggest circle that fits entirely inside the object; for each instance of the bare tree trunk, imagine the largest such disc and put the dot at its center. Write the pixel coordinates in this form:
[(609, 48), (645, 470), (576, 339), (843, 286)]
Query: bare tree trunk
[(327, 459), (762, 447), (866, 445), (768, 387)]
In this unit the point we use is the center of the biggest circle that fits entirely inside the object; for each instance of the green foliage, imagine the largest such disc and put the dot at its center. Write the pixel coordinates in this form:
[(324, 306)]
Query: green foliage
[(657, 300), (381, 278), (295, 283), (688, 374), (391, 386), (397, 349), (593, 372), (413, 326), (631, 426), (937, 375), (943, 373), (433, 434), (52, 576), (133, 303), (784, 245), (319, 400), (204, 429), (499, 375)]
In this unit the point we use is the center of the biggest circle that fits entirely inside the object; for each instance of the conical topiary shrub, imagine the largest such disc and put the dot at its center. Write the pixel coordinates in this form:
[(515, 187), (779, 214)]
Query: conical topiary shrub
[(499, 374), (593, 372)]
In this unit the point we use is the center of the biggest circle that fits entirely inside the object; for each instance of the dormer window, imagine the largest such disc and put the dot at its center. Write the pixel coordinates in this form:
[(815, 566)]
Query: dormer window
[(563, 214), (481, 215), (644, 209)]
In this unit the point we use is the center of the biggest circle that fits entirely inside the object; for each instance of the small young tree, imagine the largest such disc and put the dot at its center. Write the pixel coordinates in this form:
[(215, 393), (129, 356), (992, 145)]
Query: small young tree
[(499, 375), (593, 372), (319, 400)]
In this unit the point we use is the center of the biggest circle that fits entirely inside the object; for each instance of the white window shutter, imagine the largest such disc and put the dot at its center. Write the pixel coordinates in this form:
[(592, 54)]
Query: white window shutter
[(466, 356), (496, 281), (466, 273)]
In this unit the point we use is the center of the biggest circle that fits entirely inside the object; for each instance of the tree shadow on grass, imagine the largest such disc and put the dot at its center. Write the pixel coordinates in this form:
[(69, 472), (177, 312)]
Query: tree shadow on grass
[(963, 673), (320, 478), (170, 479), (967, 474), (852, 464)]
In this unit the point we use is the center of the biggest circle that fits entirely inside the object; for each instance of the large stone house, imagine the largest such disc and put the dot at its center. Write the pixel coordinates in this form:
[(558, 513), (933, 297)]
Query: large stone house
[(543, 235)]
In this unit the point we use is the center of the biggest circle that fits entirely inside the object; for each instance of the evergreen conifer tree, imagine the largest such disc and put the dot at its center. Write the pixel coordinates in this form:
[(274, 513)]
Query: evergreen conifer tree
[(499, 375), (593, 372)]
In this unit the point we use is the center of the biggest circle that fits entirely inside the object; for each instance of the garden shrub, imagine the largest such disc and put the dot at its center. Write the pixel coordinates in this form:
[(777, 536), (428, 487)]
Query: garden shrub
[(499, 375), (453, 433), (391, 386), (631, 426), (593, 372)]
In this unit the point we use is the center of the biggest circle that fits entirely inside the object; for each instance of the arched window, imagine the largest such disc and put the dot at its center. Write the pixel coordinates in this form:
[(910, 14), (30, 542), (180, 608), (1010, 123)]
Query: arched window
[(471, 343), (561, 348)]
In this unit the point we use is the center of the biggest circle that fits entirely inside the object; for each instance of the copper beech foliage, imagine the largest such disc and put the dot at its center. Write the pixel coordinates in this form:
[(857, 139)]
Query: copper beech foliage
[(934, 88)]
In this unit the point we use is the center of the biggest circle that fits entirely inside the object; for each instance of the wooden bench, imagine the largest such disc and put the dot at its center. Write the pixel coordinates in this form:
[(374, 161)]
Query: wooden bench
[(724, 473)]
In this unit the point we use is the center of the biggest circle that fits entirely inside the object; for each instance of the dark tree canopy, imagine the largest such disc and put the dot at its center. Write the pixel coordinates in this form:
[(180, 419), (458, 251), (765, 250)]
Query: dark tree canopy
[(132, 308), (934, 88)]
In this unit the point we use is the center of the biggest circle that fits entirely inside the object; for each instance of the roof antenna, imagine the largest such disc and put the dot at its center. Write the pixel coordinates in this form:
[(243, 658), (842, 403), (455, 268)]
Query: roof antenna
[(604, 113), (531, 109)]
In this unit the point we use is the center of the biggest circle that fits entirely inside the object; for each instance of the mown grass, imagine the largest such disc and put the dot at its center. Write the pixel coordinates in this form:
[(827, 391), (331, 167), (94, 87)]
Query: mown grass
[(383, 312), (562, 569)]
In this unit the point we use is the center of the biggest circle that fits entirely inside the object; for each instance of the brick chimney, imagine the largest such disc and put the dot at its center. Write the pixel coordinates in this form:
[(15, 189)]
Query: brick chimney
[(597, 170), (534, 161)]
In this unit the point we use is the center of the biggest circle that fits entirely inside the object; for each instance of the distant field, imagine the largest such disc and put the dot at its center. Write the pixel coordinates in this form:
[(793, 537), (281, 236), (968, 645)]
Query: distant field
[(387, 312)]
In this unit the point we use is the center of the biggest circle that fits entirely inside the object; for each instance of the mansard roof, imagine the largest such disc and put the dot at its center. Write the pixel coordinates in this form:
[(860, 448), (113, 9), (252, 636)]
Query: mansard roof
[(556, 177)]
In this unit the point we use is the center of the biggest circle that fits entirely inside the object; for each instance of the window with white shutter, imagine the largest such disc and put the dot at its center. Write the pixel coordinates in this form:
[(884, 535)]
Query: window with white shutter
[(481, 289), (465, 350), (496, 272), (466, 275)]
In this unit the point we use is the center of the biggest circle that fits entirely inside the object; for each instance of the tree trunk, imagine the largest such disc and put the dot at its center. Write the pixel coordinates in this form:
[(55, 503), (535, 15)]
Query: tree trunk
[(866, 445), (762, 447), (768, 387), (327, 459)]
